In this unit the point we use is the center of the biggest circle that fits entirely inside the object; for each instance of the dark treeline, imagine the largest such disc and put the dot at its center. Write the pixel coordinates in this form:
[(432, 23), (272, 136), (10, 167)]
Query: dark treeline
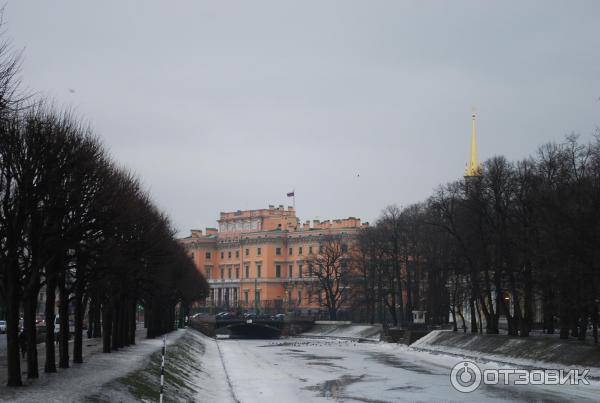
[(81, 232), (516, 248)]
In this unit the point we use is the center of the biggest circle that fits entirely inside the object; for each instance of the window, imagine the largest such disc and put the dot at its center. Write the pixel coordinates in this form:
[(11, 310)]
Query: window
[(258, 251), (310, 270), (310, 295), (247, 270), (257, 296), (258, 267), (229, 255), (278, 251), (246, 299), (300, 270), (344, 266), (310, 250), (344, 248), (229, 272), (237, 272), (222, 273), (290, 270), (237, 253), (321, 248), (299, 297), (278, 270), (299, 250), (291, 251), (247, 251), (207, 255), (208, 272), (222, 255)]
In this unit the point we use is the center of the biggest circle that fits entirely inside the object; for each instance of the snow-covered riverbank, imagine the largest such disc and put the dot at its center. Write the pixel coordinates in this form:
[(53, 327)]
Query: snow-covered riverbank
[(193, 373), (527, 352), (286, 370)]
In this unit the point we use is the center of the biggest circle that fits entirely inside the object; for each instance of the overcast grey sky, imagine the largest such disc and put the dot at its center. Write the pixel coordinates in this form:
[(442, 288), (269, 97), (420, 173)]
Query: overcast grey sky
[(228, 105)]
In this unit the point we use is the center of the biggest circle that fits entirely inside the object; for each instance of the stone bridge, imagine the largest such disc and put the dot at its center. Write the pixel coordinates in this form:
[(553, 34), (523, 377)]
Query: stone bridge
[(252, 328)]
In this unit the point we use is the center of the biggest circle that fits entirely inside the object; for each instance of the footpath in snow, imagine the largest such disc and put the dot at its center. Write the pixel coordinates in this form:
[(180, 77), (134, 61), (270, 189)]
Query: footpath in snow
[(75, 383)]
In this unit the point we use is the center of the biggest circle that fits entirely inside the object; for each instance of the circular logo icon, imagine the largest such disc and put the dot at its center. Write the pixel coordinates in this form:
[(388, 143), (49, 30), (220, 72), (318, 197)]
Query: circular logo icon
[(465, 376)]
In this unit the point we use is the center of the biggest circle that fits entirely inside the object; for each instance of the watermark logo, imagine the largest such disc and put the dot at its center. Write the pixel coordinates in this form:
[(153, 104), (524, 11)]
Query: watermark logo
[(466, 376)]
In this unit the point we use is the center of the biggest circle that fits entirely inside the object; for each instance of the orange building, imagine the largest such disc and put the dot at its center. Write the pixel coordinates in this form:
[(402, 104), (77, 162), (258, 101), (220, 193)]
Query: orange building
[(261, 258)]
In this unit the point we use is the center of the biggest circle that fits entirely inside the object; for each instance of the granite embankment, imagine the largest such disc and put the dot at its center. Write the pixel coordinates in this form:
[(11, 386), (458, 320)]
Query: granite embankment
[(539, 351)]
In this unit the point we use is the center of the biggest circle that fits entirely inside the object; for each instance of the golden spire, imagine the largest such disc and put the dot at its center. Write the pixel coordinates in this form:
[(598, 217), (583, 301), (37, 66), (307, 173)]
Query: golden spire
[(473, 169)]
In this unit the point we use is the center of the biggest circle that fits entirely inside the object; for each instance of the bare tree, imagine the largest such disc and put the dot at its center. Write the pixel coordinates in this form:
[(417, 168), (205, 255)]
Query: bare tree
[(332, 269)]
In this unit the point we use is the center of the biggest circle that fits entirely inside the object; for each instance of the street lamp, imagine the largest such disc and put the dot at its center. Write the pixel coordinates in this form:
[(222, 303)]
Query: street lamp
[(255, 296)]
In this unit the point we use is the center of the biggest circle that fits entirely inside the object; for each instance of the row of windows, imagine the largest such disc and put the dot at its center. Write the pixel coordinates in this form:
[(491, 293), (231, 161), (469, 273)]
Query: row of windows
[(309, 296), (277, 252), (278, 271)]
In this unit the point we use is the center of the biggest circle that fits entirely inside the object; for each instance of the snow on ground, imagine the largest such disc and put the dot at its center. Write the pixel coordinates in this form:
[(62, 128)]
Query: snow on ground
[(302, 370), (193, 373), (73, 384)]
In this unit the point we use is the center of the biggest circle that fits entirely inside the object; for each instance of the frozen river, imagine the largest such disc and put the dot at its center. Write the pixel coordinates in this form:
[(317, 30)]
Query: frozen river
[(306, 370)]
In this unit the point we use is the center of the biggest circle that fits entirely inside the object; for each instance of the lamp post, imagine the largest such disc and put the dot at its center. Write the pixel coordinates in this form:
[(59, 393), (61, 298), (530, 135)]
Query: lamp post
[(255, 296)]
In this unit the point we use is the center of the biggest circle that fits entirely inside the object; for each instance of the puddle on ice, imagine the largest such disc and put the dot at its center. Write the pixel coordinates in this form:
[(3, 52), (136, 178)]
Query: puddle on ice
[(397, 362), (407, 388), (325, 364), (336, 389)]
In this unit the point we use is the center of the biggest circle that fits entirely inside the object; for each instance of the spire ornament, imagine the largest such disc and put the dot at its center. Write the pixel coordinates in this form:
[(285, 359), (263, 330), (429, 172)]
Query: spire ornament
[(473, 169)]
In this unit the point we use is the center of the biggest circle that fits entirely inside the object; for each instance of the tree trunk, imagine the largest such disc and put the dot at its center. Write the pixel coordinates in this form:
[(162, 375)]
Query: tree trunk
[(97, 319), (527, 303), (462, 318), (63, 313), (595, 323), (78, 337), (454, 326), (477, 303), (106, 327), (133, 322), (50, 365), (29, 310), (583, 324), (115, 329), (90, 329), (474, 328), (12, 325)]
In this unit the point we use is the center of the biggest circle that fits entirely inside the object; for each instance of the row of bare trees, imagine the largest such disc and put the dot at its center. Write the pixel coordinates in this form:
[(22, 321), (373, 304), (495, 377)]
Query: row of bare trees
[(80, 232), (515, 248)]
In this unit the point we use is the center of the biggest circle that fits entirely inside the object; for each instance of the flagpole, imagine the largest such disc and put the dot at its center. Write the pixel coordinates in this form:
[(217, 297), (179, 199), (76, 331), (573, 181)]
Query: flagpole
[(294, 199)]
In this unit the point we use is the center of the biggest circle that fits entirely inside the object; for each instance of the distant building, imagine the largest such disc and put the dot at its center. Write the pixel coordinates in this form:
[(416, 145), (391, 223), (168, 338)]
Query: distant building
[(263, 256)]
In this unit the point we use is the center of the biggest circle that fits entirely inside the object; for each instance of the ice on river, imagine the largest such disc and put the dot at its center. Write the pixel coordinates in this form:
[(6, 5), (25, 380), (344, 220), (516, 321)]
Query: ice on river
[(306, 370)]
